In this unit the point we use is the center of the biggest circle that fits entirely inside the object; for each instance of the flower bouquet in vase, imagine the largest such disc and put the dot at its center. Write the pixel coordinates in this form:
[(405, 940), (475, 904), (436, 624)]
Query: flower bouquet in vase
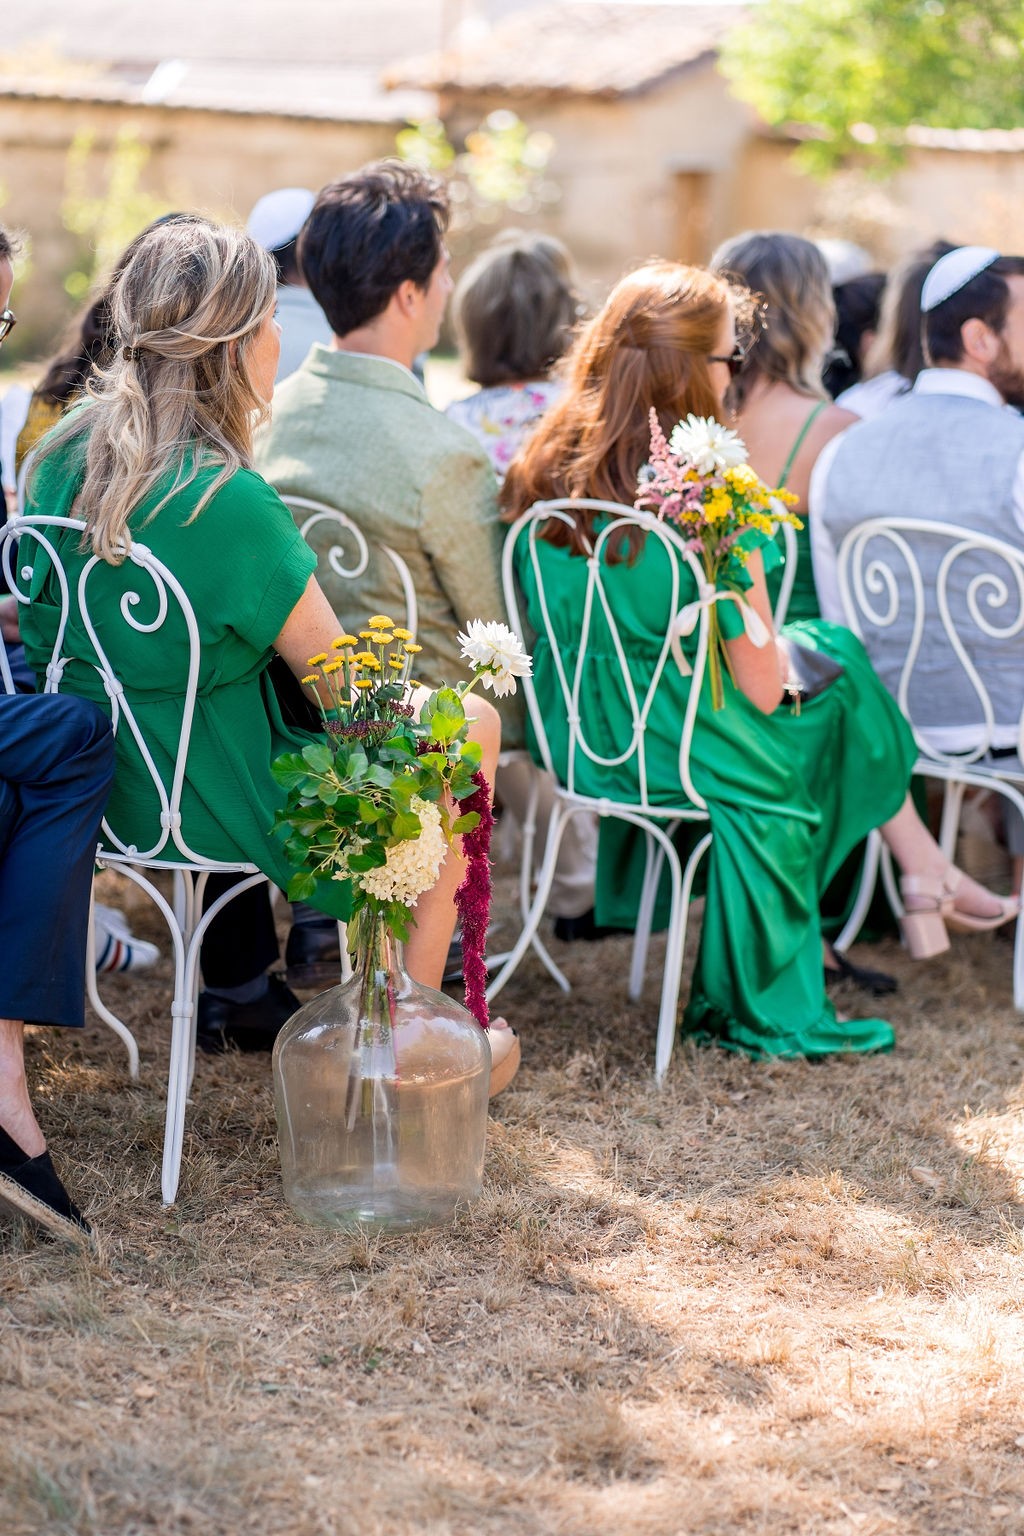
[(380, 1084), (699, 481)]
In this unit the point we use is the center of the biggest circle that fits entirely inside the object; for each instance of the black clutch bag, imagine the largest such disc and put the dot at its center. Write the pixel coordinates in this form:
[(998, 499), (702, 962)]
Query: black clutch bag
[(810, 672)]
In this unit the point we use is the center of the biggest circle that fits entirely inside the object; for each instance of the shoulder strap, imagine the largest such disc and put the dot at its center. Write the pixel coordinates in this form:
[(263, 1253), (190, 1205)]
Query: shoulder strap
[(808, 424)]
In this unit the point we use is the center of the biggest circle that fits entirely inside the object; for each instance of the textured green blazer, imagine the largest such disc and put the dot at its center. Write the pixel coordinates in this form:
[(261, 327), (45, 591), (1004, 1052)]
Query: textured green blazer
[(359, 433)]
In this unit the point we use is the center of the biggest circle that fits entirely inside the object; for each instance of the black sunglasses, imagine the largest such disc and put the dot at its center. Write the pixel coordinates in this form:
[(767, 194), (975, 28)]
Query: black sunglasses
[(7, 322), (734, 362)]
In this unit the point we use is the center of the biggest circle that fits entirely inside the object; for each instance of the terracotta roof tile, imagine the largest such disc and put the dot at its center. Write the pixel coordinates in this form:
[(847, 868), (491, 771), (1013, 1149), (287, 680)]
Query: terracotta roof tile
[(604, 49)]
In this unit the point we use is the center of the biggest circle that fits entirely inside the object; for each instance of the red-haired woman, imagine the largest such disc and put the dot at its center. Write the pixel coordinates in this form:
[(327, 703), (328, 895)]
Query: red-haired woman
[(788, 794)]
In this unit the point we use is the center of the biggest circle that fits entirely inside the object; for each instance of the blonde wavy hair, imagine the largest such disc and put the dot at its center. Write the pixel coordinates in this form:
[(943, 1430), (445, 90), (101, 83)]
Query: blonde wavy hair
[(177, 396), (790, 278)]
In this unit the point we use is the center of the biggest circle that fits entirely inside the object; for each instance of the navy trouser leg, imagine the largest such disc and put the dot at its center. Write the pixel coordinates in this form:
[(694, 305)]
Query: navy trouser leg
[(56, 766), (241, 942)]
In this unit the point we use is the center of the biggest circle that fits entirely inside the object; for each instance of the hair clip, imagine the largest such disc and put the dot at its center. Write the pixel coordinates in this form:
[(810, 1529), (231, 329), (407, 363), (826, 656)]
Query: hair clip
[(131, 354)]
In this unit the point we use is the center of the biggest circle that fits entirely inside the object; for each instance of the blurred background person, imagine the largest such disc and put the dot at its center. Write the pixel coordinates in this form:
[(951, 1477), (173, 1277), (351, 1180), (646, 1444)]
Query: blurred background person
[(857, 303), (782, 409), (513, 309), (896, 356), (274, 223)]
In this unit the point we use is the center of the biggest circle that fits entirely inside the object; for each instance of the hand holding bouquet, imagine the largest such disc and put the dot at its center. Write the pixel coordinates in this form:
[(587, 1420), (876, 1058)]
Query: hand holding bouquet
[(700, 482), (380, 798)]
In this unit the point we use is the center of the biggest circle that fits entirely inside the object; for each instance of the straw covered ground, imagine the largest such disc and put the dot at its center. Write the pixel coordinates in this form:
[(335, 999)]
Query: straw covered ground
[(767, 1299)]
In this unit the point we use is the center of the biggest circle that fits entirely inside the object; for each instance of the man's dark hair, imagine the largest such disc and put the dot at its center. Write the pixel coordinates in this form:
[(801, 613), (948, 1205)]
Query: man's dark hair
[(986, 297), (367, 235), (10, 245), (857, 304)]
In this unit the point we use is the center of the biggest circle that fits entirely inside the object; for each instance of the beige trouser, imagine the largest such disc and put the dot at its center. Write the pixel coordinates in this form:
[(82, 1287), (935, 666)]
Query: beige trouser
[(572, 890)]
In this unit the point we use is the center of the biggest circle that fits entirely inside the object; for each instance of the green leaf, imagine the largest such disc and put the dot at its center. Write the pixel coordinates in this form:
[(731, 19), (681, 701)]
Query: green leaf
[(467, 823), (319, 757), (301, 886)]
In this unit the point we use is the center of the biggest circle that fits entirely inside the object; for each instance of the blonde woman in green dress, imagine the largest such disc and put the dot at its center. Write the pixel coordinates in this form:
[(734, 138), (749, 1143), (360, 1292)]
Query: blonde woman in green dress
[(161, 453), (788, 794)]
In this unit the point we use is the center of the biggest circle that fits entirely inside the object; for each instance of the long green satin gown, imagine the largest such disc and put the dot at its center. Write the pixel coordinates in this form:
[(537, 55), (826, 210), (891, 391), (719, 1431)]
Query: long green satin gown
[(788, 794)]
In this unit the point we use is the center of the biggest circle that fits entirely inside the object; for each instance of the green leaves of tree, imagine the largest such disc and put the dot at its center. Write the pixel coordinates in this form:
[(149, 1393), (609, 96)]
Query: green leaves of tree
[(859, 72)]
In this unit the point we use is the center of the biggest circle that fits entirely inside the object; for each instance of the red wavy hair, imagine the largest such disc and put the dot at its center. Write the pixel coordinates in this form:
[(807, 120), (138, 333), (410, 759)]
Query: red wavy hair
[(647, 346)]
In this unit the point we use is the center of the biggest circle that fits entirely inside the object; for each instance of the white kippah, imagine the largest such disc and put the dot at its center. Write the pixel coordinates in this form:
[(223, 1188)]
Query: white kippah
[(953, 272), (278, 216)]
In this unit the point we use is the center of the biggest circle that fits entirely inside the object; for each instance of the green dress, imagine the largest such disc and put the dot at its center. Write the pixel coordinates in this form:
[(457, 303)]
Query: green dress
[(244, 567), (803, 599), (788, 794)]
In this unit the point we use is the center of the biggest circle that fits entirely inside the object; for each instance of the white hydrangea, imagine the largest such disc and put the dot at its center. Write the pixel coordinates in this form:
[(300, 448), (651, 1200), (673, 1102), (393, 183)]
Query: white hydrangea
[(497, 655), (412, 866), (707, 445)]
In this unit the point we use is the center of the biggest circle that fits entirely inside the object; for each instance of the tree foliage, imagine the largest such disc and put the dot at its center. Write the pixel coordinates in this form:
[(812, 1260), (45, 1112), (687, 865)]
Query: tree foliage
[(859, 72)]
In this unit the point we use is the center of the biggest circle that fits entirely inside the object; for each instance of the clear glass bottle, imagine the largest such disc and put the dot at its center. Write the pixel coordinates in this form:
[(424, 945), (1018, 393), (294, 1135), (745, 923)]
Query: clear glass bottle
[(380, 1088)]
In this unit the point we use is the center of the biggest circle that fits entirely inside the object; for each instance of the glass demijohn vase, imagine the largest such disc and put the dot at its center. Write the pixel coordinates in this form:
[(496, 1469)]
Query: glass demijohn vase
[(381, 1089)]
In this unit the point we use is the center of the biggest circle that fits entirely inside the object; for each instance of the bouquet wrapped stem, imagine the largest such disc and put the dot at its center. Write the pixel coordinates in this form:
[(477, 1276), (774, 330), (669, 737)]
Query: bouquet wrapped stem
[(698, 480)]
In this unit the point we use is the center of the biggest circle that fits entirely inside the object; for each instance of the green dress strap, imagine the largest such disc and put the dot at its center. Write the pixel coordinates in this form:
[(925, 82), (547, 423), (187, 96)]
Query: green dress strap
[(798, 444)]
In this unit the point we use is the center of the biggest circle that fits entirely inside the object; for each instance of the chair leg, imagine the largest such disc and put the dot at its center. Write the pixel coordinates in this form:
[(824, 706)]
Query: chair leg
[(682, 885), (865, 891), (560, 818), (99, 1007), (653, 860)]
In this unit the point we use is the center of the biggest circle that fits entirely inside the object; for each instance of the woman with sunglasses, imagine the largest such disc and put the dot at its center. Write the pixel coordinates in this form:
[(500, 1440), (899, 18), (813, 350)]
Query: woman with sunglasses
[(782, 409), (789, 792)]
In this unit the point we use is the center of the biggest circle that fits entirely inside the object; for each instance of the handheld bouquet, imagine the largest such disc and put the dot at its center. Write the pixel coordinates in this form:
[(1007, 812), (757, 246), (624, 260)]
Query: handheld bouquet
[(380, 799), (700, 482)]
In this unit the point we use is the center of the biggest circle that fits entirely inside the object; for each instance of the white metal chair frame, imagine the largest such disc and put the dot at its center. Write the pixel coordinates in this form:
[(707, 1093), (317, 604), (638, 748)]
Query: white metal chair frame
[(871, 593), (348, 560), (170, 849), (657, 820)]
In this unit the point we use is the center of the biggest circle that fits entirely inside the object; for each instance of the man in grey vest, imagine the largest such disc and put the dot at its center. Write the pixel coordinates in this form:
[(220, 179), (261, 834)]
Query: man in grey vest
[(949, 451)]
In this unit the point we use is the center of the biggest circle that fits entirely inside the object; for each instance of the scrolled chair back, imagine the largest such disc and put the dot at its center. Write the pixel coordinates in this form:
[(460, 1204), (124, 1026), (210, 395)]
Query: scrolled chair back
[(155, 605), (631, 749), (342, 547), (940, 609)]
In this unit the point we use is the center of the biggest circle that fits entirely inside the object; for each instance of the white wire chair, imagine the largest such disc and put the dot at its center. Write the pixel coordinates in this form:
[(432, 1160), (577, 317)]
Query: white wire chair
[(145, 608), (940, 609), (346, 559), (656, 819)]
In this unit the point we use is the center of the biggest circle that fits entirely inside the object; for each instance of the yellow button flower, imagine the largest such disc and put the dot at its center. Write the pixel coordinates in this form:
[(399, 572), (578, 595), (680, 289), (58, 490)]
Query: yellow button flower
[(316, 661), (363, 682), (385, 639), (314, 677), (343, 641), (401, 634), (413, 650), (380, 621), (396, 666), (367, 634), (333, 666)]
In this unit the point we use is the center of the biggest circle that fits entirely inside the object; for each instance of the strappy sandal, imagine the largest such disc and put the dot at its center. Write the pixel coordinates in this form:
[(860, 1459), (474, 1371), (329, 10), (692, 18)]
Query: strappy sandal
[(930, 908), (505, 1055)]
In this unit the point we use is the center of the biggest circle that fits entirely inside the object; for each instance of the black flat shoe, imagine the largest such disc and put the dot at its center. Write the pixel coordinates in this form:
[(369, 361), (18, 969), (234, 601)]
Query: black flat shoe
[(875, 983), (248, 1027), (569, 930), (29, 1186), (312, 955)]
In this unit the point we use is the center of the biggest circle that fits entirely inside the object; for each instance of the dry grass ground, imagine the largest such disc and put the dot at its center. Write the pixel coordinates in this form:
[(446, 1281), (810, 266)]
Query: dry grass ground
[(768, 1299)]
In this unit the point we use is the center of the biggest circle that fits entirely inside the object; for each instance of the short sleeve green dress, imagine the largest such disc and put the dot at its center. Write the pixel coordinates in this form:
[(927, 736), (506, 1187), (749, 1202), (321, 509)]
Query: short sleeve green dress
[(244, 566), (788, 794)]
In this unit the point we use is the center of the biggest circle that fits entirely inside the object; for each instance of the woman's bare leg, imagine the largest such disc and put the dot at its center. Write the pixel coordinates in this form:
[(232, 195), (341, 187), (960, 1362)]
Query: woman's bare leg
[(16, 1114), (917, 853), (427, 949)]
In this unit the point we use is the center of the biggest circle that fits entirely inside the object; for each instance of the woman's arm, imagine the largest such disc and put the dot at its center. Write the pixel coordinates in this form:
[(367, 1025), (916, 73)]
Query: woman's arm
[(308, 631), (759, 669)]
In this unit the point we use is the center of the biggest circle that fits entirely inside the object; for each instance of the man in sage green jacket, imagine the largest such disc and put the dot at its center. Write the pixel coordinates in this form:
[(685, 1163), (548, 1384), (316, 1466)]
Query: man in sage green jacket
[(352, 428)]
